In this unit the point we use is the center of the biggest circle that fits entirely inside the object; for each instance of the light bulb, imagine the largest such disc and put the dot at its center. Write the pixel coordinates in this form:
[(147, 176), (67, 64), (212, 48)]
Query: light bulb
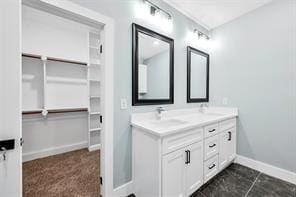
[(156, 42)]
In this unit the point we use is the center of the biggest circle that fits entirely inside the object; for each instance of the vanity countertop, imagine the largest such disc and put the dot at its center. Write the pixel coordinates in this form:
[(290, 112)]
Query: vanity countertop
[(174, 121)]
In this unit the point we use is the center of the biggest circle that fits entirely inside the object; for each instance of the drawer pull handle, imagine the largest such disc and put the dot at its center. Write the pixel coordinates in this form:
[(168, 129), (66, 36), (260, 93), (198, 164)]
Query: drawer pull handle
[(210, 131), (229, 135), (212, 146), (212, 166), (187, 157)]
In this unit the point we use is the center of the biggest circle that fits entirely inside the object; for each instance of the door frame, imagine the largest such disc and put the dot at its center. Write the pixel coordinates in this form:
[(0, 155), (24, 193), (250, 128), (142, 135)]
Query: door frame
[(10, 96), (74, 11)]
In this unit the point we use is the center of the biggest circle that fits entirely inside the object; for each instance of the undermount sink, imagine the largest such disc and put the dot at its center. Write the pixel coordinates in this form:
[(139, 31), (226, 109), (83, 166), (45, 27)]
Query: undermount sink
[(168, 122)]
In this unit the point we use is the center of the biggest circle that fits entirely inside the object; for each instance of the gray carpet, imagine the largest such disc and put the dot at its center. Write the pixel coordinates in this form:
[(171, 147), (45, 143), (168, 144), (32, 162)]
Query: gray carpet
[(72, 174)]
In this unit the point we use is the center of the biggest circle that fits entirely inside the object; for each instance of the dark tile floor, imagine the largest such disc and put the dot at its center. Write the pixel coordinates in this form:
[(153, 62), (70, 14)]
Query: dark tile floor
[(240, 181)]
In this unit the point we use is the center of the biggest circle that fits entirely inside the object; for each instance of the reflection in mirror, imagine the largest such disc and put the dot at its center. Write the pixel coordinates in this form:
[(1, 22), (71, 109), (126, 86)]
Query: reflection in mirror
[(152, 67), (154, 59), (197, 76)]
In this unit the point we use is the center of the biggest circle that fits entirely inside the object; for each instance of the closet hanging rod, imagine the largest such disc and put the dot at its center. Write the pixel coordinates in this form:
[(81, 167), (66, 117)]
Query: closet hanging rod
[(56, 111), (32, 112), (54, 59)]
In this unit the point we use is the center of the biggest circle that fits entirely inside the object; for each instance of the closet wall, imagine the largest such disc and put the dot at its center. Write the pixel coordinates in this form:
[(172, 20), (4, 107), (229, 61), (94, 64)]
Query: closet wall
[(67, 84)]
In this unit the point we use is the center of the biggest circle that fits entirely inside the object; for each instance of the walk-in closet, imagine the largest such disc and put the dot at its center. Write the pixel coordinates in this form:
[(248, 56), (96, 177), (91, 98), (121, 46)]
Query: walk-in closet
[(61, 105)]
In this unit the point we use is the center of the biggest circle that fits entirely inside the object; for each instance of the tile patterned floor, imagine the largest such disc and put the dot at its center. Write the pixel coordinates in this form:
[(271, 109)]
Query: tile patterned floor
[(240, 181)]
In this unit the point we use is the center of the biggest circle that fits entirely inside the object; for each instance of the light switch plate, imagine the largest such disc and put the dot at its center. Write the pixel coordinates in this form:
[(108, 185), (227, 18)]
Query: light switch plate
[(123, 103)]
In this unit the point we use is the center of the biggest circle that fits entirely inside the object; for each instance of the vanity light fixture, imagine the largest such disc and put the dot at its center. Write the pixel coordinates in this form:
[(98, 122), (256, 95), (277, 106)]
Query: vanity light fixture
[(154, 9), (154, 15), (201, 35), (198, 39)]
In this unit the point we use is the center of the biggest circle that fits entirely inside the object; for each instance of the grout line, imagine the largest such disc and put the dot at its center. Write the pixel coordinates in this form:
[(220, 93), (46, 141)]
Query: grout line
[(253, 184)]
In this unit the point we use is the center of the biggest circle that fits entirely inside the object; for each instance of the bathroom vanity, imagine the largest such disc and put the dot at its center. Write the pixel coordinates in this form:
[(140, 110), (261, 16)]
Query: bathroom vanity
[(175, 154)]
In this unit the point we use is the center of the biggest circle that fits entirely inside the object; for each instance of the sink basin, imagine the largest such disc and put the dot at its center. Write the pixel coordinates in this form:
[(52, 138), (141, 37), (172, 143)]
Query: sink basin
[(168, 122)]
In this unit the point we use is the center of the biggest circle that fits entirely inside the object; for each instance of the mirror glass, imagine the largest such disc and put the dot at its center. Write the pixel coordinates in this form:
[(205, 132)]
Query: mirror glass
[(153, 66), (198, 75)]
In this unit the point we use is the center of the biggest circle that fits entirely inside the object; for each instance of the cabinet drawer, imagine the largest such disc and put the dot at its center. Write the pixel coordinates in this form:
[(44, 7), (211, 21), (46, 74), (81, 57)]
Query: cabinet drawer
[(210, 168), (211, 130), (183, 139), (227, 124), (211, 146)]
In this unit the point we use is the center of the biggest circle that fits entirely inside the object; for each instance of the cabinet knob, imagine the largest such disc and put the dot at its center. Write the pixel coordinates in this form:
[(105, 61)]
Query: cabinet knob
[(210, 131)]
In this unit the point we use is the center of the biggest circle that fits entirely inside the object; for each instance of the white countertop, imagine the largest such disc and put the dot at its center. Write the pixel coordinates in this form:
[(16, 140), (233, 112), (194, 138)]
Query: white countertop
[(175, 121)]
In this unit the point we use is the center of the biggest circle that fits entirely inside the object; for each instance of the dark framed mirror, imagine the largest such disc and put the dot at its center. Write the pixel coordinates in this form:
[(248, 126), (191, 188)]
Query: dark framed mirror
[(153, 67), (198, 63)]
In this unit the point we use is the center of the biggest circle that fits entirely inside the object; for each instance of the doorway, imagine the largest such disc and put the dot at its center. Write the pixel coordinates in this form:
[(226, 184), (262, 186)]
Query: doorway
[(11, 87), (64, 79)]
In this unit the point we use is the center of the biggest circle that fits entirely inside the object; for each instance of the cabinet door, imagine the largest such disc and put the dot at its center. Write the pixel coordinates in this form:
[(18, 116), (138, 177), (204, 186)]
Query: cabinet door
[(227, 150), (194, 168), (232, 145), (173, 172)]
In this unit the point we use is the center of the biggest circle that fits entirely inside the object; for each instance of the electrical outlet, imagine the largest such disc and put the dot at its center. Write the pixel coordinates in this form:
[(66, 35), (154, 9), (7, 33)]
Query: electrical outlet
[(123, 103), (225, 101)]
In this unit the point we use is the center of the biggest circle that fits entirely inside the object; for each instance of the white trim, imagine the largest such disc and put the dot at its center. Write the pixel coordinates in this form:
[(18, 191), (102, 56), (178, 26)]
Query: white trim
[(124, 190), (94, 147), (267, 169), (108, 112), (68, 8), (187, 14), (53, 151)]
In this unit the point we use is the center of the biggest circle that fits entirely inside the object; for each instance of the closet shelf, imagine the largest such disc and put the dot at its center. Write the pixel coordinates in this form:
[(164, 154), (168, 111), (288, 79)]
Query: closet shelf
[(33, 111), (55, 111), (95, 129), (94, 80), (66, 110), (94, 65), (94, 47), (95, 61), (54, 59), (66, 80), (95, 97), (95, 113)]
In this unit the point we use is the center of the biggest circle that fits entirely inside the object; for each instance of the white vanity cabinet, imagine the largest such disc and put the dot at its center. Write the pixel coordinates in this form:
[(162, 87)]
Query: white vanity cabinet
[(176, 164)]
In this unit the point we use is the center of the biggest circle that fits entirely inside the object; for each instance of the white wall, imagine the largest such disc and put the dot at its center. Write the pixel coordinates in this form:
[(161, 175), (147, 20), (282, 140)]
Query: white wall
[(55, 134), (123, 13), (254, 66), (53, 36)]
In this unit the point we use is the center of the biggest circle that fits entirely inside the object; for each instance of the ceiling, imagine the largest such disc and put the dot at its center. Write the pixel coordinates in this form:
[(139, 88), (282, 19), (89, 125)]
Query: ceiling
[(213, 13)]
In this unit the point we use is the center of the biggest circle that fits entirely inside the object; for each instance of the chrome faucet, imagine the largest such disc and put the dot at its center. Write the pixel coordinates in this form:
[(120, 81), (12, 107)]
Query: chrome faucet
[(202, 107), (159, 111)]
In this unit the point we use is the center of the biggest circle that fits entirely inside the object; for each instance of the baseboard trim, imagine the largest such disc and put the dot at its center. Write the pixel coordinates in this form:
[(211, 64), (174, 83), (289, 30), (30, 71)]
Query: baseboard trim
[(267, 169), (94, 147), (124, 190), (53, 151)]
